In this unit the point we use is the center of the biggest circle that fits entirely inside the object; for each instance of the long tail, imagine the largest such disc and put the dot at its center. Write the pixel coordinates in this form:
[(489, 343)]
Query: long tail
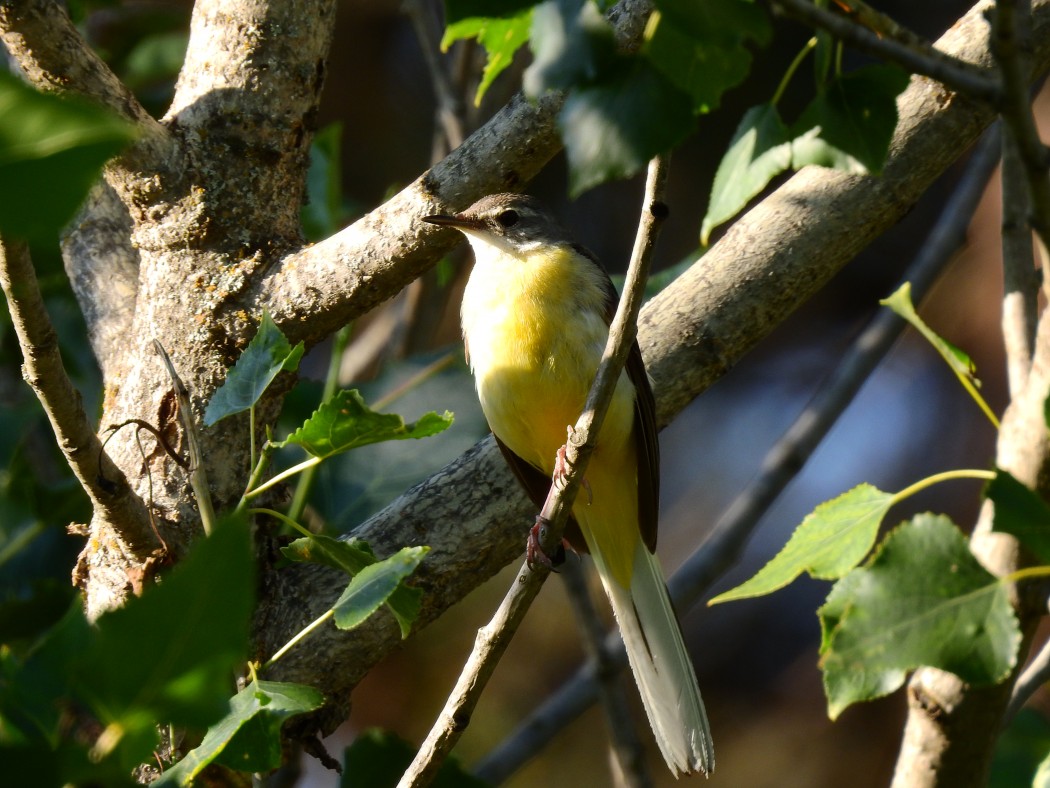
[(661, 665)]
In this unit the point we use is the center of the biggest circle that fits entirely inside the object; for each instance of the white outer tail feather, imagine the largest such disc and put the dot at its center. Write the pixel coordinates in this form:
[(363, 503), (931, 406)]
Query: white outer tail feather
[(661, 665)]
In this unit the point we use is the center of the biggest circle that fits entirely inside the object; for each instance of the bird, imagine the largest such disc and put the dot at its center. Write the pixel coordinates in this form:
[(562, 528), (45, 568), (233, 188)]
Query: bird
[(535, 317)]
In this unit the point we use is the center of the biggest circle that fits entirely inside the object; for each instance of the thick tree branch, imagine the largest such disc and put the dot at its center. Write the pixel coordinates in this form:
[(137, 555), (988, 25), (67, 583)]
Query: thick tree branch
[(42, 369), (770, 262)]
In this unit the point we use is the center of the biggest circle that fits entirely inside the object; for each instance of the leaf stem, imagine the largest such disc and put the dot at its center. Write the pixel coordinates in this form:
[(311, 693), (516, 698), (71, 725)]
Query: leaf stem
[(283, 518), (307, 463), (806, 49), (929, 481), (302, 633), (1028, 573)]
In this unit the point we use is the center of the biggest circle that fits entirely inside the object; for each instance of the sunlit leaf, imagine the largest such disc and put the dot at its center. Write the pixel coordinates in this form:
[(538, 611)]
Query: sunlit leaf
[(352, 556), (345, 422), (831, 541), (759, 151), (501, 38), (248, 738), (922, 600), (266, 355), (373, 586)]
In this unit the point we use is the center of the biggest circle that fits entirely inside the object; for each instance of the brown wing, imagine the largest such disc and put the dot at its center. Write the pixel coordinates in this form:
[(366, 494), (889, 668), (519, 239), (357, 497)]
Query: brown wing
[(537, 484), (646, 442)]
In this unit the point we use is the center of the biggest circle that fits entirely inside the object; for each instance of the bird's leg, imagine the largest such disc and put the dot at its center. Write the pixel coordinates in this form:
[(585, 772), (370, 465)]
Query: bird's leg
[(561, 468)]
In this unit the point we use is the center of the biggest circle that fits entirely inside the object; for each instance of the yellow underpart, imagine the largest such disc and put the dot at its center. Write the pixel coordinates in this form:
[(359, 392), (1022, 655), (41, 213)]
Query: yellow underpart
[(535, 335)]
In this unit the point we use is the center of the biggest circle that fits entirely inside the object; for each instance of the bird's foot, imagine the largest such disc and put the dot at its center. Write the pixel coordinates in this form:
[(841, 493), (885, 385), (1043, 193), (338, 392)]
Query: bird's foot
[(561, 469), (535, 556)]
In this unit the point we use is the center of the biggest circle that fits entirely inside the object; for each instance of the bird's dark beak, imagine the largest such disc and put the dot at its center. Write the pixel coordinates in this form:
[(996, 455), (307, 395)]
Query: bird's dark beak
[(459, 221)]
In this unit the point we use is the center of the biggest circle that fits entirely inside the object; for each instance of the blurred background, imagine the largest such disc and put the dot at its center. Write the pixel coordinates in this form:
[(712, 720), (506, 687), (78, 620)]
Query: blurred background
[(757, 659)]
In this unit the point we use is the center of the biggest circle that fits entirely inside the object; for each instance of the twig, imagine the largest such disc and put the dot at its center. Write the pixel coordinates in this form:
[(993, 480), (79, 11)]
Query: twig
[(1020, 281), (1035, 675), (601, 655), (780, 465), (198, 472), (1011, 45), (449, 103), (42, 369), (925, 59), (494, 638)]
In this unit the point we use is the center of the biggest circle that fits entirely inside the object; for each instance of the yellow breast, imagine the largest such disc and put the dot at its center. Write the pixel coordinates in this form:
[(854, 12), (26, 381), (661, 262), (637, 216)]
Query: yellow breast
[(535, 334)]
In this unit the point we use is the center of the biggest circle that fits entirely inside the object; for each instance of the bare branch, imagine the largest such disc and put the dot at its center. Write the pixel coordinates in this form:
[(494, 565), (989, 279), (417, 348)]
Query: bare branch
[(42, 369), (955, 72)]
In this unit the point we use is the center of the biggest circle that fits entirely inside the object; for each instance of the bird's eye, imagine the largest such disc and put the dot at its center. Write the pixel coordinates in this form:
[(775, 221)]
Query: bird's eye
[(508, 218)]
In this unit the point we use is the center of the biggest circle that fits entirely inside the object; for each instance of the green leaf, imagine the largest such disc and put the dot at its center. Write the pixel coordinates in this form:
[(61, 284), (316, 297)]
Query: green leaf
[(1021, 512), (198, 622), (612, 130), (700, 46), (51, 151), (266, 355), (759, 151), (1020, 756), (458, 10), (850, 124), (960, 363), (352, 556), (922, 600), (156, 57), (248, 738), (572, 46), (501, 38), (345, 422), (831, 541), (373, 586), (377, 759)]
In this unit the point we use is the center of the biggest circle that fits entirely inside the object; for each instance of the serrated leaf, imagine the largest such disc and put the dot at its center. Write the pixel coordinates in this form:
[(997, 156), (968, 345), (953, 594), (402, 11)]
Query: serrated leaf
[(700, 47), (759, 151), (850, 124), (1020, 511), (374, 585), (351, 556), (345, 422), (613, 129), (268, 354), (248, 738), (377, 759), (829, 542), (572, 45), (961, 364), (51, 151), (922, 600), (501, 38)]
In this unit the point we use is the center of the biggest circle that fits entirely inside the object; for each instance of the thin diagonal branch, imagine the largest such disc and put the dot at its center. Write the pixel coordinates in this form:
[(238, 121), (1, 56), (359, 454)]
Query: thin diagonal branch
[(926, 60), (494, 638), (780, 465), (42, 369)]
